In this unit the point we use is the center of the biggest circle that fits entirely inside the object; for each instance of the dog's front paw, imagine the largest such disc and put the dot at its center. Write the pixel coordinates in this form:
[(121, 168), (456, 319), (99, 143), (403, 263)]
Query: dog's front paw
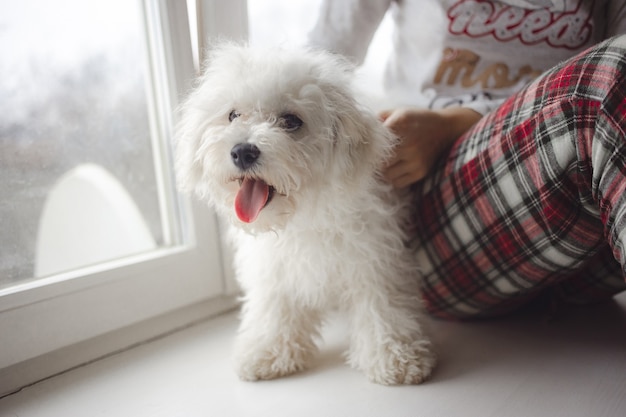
[(400, 363), (272, 362)]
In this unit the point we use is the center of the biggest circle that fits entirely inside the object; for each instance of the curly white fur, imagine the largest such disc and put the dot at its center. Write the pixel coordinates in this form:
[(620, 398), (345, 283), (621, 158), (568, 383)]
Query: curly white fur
[(331, 233)]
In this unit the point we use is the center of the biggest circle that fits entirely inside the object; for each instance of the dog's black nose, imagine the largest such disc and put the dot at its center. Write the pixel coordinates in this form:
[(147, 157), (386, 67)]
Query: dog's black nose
[(244, 155)]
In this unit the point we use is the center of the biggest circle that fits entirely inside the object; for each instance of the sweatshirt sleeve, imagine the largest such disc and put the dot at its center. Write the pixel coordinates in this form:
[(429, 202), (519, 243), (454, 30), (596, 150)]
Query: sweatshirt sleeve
[(616, 18), (348, 26), (484, 106)]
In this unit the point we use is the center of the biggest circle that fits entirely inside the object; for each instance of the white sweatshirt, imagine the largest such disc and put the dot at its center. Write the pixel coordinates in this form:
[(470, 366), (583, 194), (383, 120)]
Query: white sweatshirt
[(473, 53)]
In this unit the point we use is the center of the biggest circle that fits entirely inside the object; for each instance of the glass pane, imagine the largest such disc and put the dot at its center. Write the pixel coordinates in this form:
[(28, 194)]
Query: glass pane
[(281, 22), (77, 173)]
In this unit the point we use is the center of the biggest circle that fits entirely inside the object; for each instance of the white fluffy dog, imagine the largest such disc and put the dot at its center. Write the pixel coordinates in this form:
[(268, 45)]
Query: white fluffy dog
[(275, 141)]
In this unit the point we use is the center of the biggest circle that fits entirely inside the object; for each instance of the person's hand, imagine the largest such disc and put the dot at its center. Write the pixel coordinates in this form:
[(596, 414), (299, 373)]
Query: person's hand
[(424, 136)]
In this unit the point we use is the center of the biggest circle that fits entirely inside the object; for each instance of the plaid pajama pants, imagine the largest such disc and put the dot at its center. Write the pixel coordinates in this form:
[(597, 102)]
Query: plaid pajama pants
[(533, 196)]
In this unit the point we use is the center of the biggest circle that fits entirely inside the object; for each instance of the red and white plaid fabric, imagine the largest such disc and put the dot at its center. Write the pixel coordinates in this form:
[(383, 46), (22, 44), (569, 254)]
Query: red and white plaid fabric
[(533, 196)]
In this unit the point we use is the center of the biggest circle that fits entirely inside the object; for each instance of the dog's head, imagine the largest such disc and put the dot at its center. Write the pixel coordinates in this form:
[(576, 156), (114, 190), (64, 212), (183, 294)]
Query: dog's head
[(269, 131)]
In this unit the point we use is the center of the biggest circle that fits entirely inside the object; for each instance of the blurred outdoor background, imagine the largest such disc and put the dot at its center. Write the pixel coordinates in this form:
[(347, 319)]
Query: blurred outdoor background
[(74, 89)]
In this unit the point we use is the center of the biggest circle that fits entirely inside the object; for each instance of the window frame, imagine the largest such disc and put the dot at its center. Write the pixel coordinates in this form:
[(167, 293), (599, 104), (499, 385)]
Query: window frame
[(48, 315)]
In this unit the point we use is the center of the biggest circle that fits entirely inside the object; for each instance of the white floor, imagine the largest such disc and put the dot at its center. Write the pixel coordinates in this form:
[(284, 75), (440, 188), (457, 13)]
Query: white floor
[(572, 365)]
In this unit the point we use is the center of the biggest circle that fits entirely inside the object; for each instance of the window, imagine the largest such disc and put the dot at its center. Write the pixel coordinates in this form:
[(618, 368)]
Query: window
[(95, 237), (79, 151), (281, 22)]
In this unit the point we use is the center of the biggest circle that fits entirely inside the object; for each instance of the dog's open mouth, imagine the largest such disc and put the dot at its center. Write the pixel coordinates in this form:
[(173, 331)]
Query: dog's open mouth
[(253, 195)]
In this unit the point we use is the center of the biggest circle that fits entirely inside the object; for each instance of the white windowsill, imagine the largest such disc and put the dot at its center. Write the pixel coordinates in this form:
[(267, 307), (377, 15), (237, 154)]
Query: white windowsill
[(573, 365)]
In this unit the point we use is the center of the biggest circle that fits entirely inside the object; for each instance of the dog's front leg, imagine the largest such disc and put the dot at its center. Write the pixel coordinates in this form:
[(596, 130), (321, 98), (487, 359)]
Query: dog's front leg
[(276, 338), (388, 343)]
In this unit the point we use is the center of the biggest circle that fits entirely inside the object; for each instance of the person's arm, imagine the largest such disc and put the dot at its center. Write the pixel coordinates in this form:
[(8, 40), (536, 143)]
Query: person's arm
[(347, 27), (616, 18), (424, 136)]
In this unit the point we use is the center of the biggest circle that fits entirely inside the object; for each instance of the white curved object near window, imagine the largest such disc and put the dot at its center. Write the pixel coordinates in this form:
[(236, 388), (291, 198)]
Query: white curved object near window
[(88, 217)]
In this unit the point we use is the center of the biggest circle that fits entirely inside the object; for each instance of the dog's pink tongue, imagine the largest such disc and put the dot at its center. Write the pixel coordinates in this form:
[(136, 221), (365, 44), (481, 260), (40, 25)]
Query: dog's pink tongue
[(251, 199)]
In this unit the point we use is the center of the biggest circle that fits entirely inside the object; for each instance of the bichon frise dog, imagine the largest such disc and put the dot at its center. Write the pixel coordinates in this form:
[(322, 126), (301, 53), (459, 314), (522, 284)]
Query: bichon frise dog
[(275, 141)]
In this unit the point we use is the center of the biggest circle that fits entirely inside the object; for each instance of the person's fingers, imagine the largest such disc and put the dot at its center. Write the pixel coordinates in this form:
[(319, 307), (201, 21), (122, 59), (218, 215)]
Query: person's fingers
[(394, 119), (402, 181), (384, 115), (405, 172), (394, 171), (412, 171)]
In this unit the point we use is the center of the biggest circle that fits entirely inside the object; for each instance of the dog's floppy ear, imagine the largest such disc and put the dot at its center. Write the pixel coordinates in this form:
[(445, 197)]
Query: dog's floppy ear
[(364, 138), (356, 129)]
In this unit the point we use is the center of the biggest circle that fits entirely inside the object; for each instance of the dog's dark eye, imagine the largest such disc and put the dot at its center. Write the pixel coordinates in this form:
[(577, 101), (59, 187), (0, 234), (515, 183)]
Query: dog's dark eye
[(233, 115), (290, 122)]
